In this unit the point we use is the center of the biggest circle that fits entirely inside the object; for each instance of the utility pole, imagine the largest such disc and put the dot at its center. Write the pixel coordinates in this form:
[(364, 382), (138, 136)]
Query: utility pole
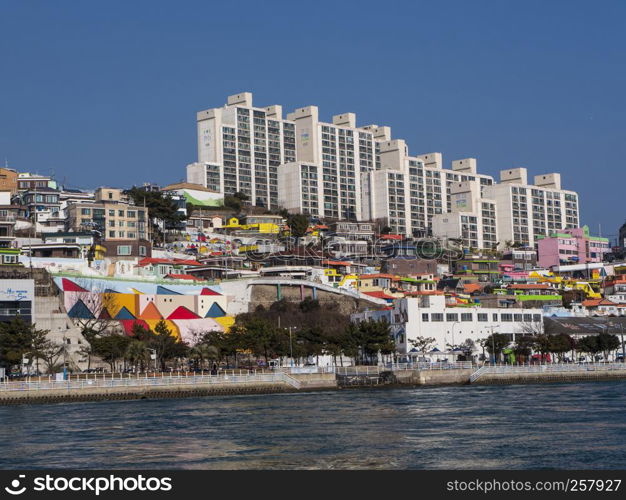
[(623, 348), (290, 347)]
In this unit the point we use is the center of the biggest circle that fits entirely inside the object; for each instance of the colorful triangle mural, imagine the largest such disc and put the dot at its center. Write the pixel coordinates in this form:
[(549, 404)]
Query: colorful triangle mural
[(80, 310), (208, 291), (124, 314), (151, 312), (181, 312), (128, 325), (70, 286), (161, 290), (104, 314), (215, 311)]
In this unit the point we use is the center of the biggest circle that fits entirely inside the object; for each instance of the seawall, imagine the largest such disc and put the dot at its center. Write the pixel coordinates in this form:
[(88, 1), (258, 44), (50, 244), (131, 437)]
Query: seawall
[(197, 386), (549, 378)]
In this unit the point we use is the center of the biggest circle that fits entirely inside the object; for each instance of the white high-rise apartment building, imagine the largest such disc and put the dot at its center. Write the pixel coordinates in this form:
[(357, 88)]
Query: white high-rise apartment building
[(409, 191), (525, 211), (338, 170), (240, 148), (472, 217), (342, 151)]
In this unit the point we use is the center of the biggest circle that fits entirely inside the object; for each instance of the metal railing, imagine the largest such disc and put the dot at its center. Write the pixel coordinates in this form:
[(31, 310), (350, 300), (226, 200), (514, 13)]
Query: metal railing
[(422, 365), (138, 382), (299, 370), (554, 368), (358, 370)]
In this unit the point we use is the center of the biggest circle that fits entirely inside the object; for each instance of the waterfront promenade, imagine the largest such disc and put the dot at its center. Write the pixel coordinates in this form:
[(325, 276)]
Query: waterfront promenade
[(176, 385)]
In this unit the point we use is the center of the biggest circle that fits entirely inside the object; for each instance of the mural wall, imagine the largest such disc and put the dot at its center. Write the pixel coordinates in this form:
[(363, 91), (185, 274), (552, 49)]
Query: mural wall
[(187, 310)]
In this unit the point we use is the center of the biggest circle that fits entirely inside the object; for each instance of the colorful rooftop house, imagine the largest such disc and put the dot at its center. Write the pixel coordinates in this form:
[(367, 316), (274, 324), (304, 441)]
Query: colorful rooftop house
[(485, 269), (261, 224), (571, 246), (531, 291), (161, 268)]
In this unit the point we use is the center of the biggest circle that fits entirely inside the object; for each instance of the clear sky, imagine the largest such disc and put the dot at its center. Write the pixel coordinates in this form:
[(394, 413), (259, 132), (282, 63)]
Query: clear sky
[(105, 93)]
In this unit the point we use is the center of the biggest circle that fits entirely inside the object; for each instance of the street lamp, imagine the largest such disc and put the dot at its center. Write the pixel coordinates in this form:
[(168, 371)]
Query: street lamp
[(621, 327), (290, 347), (453, 344)]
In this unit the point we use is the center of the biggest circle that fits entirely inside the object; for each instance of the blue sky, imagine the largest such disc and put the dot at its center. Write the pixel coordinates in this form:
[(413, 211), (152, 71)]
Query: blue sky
[(106, 93)]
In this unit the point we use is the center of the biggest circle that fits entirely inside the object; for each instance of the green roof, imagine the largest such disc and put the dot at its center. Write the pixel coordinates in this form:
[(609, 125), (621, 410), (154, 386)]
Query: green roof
[(203, 203)]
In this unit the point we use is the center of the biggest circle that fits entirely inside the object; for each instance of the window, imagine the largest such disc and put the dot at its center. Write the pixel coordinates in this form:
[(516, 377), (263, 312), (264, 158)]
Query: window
[(537, 318), (528, 318), (466, 316), (124, 249), (111, 234), (517, 317), (110, 195), (452, 317), (436, 317), (130, 214), (142, 250), (483, 317), (506, 317), (85, 211), (120, 213), (111, 213), (424, 316), (494, 317)]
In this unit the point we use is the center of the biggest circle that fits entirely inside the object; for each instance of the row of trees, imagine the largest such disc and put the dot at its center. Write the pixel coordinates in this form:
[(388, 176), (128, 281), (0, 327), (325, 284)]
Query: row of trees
[(303, 331), (142, 350), (22, 342), (285, 329), (557, 345)]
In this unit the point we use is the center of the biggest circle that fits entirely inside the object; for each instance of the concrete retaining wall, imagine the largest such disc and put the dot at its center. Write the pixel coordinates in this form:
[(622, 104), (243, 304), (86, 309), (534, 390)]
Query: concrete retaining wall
[(548, 378), (432, 377), (316, 380), (112, 393)]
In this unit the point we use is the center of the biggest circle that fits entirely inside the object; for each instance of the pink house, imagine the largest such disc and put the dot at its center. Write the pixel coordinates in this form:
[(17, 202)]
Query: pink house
[(571, 246)]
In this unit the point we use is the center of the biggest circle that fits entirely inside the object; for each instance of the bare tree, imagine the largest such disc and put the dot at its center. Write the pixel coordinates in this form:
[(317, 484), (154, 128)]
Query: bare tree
[(532, 328), (100, 303), (422, 344)]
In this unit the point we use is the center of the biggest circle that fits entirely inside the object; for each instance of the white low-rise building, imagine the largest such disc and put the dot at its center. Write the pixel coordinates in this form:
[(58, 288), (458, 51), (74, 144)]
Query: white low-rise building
[(429, 316)]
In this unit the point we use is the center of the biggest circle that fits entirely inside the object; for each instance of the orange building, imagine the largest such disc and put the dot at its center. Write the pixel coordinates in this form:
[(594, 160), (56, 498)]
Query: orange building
[(8, 180)]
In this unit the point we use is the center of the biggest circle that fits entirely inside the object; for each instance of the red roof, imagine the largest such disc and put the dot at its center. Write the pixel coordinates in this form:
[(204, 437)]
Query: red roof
[(185, 262), (336, 263), (172, 262), (208, 291), (379, 295), (530, 286), (182, 312), (391, 237), (471, 287), (378, 275), (183, 277), (598, 302)]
